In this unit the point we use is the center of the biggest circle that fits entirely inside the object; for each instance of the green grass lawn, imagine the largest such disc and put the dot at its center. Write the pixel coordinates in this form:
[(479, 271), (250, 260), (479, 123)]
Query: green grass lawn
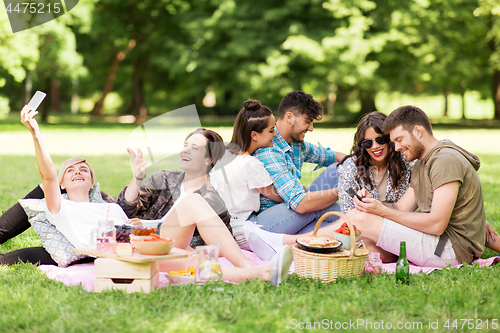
[(30, 302)]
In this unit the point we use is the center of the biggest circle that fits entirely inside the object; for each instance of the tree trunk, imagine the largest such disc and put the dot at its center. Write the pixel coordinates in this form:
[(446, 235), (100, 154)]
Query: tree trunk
[(367, 102), (446, 92), (332, 98), (463, 104), (496, 93), (55, 96), (140, 111), (28, 86), (45, 109), (129, 107), (75, 97), (108, 86)]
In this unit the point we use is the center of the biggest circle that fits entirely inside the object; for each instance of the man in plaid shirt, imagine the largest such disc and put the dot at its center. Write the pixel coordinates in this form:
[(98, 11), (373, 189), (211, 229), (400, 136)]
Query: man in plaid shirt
[(301, 208)]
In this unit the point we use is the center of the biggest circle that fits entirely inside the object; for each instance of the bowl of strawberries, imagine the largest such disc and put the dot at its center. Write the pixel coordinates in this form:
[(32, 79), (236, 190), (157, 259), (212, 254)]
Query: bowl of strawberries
[(343, 234)]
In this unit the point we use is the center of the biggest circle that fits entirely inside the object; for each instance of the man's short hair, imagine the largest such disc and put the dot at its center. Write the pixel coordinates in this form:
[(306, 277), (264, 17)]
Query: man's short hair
[(407, 116), (299, 103)]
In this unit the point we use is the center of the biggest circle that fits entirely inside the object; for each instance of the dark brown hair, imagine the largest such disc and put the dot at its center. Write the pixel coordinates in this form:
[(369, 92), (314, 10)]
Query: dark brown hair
[(215, 145), (300, 103), (253, 117), (362, 162), (407, 116)]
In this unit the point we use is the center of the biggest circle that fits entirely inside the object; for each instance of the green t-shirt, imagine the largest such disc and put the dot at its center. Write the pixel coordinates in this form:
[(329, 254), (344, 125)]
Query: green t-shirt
[(444, 164)]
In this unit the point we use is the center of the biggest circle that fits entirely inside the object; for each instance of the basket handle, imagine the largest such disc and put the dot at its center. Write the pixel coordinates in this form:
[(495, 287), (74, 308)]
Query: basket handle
[(349, 225)]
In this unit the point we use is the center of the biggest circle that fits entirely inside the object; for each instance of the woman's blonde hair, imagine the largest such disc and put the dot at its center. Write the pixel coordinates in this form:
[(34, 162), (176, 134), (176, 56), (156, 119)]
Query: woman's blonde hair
[(72, 161)]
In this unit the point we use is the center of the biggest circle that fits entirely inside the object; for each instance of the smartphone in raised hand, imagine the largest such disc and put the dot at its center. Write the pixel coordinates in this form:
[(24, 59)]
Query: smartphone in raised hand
[(37, 99)]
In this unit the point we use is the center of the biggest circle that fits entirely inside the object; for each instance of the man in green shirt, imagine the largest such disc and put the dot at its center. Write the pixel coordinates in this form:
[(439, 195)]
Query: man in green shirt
[(449, 226), (440, 217)]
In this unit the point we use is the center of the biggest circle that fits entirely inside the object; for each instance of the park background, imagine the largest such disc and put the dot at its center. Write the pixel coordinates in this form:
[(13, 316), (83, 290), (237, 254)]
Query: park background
[(143, 58), (110, 65)]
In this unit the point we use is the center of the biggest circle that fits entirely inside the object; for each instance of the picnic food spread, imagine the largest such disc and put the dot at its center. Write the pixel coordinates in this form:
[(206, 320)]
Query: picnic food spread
[(191, 272), (124, 249), (154, 238), (143, 231), (319, 241), (344, 230), (321, 244), (153, 244)]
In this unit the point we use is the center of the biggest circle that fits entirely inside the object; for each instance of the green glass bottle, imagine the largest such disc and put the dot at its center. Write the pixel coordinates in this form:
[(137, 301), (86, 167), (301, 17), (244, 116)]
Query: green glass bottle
[(402, 266)]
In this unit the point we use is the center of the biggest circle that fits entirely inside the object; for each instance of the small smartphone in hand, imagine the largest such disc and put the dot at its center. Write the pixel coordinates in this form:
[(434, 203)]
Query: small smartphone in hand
[(353, 193), (37, 99)]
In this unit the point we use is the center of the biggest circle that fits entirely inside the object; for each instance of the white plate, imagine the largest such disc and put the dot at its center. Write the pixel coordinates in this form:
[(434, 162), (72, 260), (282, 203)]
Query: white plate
[(179, 279)]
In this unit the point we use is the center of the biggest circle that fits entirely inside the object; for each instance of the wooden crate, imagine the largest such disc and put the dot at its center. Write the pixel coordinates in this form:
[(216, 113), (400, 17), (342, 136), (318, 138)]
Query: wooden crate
[(132, 277)]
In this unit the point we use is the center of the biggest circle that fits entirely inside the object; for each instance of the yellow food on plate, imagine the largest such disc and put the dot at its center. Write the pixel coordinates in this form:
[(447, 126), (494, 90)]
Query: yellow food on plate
[(192, 271)]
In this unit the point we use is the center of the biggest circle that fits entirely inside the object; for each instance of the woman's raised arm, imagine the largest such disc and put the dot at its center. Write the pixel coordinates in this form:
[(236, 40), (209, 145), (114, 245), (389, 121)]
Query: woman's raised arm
[(45, 165), (139, 165)]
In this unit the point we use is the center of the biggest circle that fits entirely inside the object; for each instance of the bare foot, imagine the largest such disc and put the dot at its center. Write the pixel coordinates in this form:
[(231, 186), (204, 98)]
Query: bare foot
[(266, 272), (492, 238)]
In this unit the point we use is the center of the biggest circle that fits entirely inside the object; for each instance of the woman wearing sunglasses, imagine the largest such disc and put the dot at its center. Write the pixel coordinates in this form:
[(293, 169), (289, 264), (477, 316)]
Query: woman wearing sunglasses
[(376, 167), (373, 165)]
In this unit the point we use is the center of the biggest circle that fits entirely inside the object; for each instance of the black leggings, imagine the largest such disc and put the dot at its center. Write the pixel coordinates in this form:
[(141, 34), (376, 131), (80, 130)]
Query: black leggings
[(14, 222), (34, 255)]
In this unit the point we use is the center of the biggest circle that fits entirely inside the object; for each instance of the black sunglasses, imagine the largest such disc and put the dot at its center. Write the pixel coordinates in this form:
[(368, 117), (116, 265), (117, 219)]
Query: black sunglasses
[(368, 143)]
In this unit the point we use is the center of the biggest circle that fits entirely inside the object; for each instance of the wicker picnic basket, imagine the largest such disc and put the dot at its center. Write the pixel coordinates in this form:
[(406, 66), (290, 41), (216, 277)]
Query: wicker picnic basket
[(329, 266)]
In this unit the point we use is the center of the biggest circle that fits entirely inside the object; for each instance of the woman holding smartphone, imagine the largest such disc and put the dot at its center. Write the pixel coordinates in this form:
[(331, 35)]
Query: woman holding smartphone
[(373, 165), (77, 216), (372, 169)]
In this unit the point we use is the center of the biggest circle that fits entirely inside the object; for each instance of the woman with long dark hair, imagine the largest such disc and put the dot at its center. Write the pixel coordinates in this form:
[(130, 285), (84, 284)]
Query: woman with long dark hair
[(373, 164), (372, 169)]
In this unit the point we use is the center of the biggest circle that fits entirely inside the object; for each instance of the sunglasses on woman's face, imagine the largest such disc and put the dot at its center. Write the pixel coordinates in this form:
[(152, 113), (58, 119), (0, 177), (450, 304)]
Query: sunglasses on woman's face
[(368, 143)]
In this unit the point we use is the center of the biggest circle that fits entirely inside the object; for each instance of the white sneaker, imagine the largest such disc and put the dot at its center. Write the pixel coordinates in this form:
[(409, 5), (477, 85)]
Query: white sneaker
[(282, 265)]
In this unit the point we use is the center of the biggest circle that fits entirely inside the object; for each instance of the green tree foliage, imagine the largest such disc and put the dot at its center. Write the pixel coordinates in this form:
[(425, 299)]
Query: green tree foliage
[(489, 12), (342, 52), (18, 53), (47, 51), (155, 27), (445, 48)]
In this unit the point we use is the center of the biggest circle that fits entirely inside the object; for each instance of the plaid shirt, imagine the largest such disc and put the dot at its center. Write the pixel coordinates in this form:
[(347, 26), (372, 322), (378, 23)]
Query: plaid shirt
[(284, 164)]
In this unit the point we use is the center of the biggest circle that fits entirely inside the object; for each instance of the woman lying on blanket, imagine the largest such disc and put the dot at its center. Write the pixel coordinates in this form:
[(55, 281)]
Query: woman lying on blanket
[(76, 217), (373, 169)]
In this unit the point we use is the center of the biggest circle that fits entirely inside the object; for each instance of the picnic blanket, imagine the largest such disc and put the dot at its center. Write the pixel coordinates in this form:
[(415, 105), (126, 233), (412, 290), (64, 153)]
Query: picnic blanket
[(83, 274), (391, 268)]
